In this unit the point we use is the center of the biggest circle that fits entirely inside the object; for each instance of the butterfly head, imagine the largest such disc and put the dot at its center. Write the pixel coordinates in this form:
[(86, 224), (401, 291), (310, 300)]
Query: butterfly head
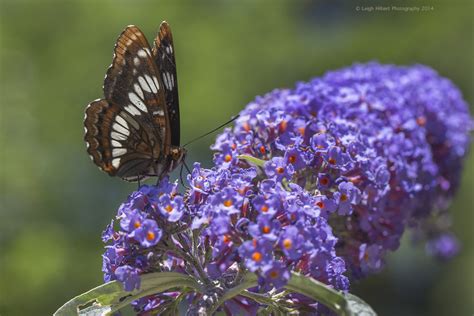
[(177, 156)]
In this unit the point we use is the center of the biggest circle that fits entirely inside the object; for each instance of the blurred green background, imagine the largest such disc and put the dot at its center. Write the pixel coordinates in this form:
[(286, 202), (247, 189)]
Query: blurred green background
[(54, 54)]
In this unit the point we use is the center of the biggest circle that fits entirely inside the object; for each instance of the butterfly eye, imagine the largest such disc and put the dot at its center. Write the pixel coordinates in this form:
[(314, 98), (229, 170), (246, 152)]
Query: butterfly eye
[(175, 153)]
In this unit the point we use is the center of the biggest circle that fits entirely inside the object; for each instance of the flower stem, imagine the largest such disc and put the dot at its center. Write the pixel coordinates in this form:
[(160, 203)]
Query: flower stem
[(249, 280)]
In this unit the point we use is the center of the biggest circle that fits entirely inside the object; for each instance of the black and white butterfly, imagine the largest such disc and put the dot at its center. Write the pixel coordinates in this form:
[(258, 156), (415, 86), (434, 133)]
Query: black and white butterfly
[(133, 132)]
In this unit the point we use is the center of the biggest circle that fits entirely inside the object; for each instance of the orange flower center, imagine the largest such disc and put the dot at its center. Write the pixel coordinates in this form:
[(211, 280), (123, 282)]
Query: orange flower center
[(287, 243), (227, 158), (332, 161), (137, 224), (324, 181), (150, 236), (282, 127), (246, 127), (257, 256), (301, 130), (262, 149), (264, 208), (226, 238), (421, 121), (343, 197), (320, 204), (228, 203), (274, 274), (266, 229), (169, 208), (292, 159), (280, 170)]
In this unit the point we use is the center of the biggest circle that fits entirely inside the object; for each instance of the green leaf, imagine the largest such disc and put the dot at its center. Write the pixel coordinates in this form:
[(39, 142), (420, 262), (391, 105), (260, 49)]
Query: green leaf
[(252, 160), (110, 297), (344, 305), (358, 307), (318, 291)]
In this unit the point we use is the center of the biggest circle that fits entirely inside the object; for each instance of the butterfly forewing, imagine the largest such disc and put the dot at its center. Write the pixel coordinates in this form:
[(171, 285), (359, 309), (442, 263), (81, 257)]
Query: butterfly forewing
[(128, 133), (163, 54), (133, 82)]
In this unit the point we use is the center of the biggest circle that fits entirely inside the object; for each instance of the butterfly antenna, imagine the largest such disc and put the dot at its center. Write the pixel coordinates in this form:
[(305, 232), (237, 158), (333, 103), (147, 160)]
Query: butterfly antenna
[(215, 129)]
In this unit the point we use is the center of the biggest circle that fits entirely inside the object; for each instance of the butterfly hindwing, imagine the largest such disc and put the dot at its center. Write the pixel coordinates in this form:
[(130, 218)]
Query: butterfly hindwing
[(115, 141), (163, 53)]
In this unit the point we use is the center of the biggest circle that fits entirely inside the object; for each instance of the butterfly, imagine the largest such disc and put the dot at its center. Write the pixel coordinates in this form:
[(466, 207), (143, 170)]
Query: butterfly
[(133, 132)]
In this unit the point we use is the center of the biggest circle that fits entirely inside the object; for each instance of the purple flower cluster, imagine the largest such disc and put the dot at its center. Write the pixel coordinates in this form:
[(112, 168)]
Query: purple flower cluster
[(347, 162), (264, 224), (142, 219), (380, 146)]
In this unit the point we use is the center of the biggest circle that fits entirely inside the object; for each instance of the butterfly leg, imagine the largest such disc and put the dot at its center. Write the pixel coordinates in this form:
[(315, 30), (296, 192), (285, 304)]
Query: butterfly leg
[(187, 168), (181, 177)]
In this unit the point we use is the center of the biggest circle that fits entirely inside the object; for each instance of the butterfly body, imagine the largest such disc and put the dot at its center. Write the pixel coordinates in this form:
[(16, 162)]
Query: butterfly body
[(133, 132)]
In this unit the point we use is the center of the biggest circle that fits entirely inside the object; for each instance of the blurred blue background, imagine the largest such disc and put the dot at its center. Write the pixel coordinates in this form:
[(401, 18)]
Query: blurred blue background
[(54, 54)]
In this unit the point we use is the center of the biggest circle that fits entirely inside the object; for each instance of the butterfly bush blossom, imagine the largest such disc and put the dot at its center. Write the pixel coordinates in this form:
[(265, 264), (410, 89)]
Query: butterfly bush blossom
[(346, 163)]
